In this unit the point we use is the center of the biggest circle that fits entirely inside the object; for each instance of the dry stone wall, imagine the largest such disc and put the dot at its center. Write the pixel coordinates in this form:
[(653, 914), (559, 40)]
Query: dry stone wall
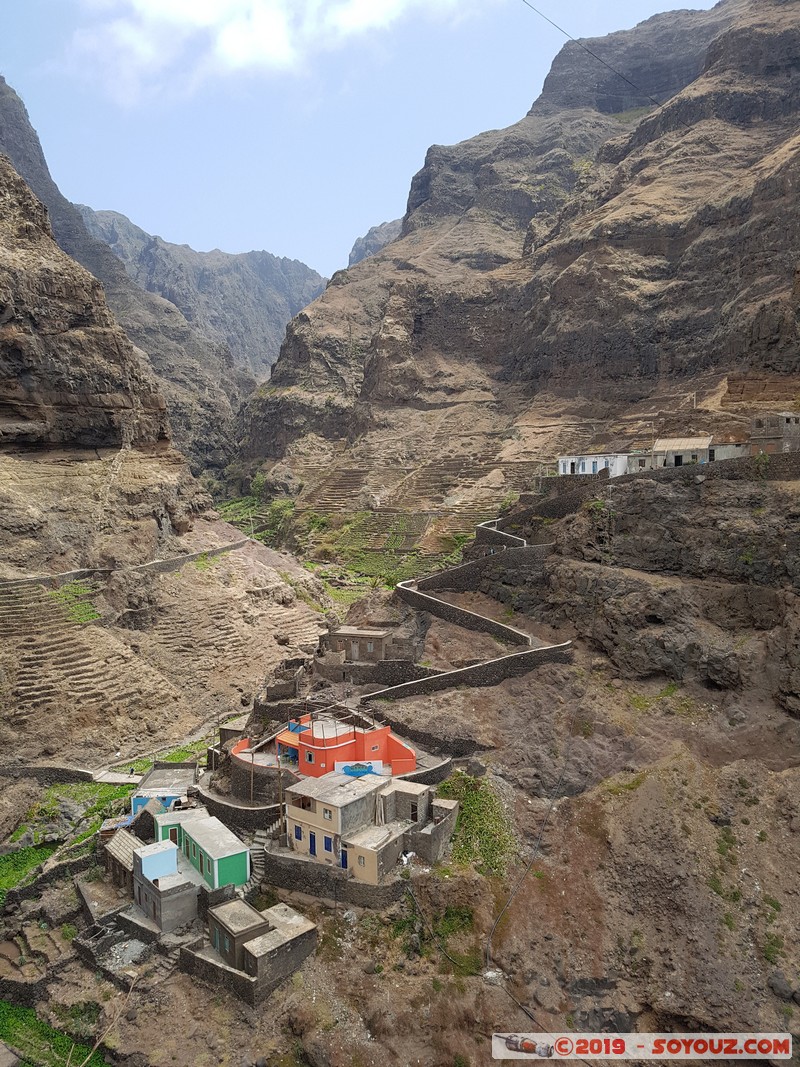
[(470, 620)]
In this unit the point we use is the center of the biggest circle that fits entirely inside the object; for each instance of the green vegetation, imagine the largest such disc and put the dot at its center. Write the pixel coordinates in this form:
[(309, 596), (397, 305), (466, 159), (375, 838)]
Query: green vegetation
[(69, 932), (772, 948), (669, 690), (484, 834), (99, 800), (728, 921), (15, 867), (204, 562), (455, 920), (761, 464), (80, 1019), (41, 1044), (76, 598), (620, 788), (726, 843)]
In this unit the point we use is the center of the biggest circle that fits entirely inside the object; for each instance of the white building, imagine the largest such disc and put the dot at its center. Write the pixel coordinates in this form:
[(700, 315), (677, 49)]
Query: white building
[(593, 462)]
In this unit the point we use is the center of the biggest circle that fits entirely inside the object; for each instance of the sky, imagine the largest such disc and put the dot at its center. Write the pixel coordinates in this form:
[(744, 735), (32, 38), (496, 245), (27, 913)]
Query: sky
[(287, 125)]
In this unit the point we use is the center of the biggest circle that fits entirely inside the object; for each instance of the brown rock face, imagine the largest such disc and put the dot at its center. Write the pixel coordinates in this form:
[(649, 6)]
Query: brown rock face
[(241, 302), (601, 249), (68, 374), (196, 376)]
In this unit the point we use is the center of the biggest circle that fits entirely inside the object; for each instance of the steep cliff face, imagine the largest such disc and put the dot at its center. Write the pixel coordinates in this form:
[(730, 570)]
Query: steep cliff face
[(68, 374), (376, 238), (196, 376), (600, 252), (239, 301)]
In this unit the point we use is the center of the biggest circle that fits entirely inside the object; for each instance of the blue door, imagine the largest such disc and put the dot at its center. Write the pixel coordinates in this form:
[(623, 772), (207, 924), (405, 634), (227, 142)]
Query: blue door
[(344, 859), (312, 843), (594, 466)]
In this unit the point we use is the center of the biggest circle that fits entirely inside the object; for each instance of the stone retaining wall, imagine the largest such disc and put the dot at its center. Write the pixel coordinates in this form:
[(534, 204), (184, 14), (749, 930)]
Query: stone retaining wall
[(780, 466), (470, 620), (67, 869), (462, 579), (488, 534), (320, 880), (45, 774), (385, 672), (257, 817), (492, 672), (158, 566)]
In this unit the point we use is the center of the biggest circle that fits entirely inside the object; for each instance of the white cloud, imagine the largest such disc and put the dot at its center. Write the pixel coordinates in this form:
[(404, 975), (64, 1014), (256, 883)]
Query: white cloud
[(142, 47)]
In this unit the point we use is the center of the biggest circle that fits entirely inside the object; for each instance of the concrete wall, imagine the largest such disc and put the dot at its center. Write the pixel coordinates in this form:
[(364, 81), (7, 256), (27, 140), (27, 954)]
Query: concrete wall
[(492, 672), (470, 620), (332, 883)]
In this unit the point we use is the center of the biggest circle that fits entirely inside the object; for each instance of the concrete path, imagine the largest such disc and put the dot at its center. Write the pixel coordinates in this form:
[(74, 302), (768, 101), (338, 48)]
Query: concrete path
[(113, 778)]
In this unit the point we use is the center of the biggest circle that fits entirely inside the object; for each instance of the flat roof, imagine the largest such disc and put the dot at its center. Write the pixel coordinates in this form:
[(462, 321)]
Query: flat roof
[(154, 849), (215, 838), (336, 788), (180, 815), (591, 455), (373, 837), (358, 631), (173, 779), (237, 916), (287, 924), (400, 785), (681, 444)]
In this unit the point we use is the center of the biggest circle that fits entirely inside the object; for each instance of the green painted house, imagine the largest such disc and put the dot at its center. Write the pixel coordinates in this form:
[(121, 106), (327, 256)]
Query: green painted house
[(217, 853)]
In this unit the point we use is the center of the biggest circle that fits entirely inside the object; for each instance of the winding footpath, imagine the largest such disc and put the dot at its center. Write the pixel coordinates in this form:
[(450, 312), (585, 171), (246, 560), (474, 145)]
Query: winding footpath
[(418, 593)]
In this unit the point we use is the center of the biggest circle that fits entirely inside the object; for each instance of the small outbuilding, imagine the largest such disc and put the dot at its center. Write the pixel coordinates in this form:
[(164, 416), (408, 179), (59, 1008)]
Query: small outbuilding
[(360, 644), (166, 782)]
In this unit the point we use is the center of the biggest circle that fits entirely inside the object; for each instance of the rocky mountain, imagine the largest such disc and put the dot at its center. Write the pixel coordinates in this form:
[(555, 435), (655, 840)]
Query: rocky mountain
[(197, 376), (241, 302), (581, 272), (68, 374), (376, 238)]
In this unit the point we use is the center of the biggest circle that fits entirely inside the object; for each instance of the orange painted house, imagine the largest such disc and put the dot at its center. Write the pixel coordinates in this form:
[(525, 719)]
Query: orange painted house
[(316, 747)]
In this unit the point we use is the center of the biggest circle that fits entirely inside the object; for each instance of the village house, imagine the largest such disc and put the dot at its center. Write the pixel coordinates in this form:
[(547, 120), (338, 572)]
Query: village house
[(315, 745), (616, 463), (209, 846), (363, 824), (777, 432), (251, 952), (166, 782), (359, 644), (166, 895), (118, 855)]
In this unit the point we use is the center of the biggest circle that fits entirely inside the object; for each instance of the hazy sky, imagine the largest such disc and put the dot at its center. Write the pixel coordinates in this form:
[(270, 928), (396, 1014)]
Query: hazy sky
[(289, 125)]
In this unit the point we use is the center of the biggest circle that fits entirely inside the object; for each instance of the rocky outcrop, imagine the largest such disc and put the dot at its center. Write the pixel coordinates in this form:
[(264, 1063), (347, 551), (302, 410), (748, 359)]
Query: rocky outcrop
[(68, 374), (376, 238), (197, 377), (242, 302), (600, 251)]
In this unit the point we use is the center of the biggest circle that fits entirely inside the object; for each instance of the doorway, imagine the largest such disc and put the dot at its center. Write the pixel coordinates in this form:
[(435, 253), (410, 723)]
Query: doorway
[(312, 843)]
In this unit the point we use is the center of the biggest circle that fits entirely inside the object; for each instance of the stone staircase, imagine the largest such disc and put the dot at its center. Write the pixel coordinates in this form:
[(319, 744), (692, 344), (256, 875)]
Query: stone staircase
[(258, 847), (163, 965)]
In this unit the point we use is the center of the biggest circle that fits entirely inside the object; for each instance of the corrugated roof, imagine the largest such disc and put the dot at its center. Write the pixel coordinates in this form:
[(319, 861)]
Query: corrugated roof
[(121, 847), (681, 444)]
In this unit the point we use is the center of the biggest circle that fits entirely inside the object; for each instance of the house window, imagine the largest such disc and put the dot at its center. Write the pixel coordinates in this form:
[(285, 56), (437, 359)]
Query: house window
[(641, 464), (227, 943), (328, 844), (788, 421), (759, 424), (309, 757), (327, 814), (361, 861), (371, 644), (194, 850), (712, 455), (694, 457), (298, 833)]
